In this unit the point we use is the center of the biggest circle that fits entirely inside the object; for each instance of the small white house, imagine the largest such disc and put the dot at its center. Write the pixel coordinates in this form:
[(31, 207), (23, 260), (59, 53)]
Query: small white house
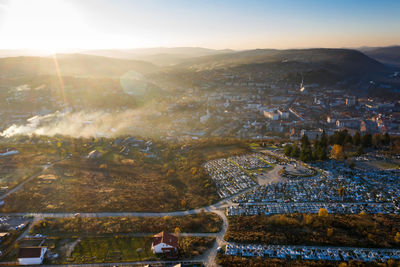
[(164, 243), (31, 255)]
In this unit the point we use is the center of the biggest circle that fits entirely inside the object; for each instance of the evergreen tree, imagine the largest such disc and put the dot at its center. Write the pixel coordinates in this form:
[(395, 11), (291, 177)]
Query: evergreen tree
[(357, 139), (377, 140), (296, 152), (288, 150), (366, 140), (386, 139), (306, 151), (359, 151), (348, 139), (324, 140)]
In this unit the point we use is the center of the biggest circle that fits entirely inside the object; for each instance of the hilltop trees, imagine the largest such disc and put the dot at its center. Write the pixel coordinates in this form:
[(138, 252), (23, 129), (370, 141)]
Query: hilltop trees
[(357, 139), (342, 142), (307, 152), (366, 140), (320, 147)]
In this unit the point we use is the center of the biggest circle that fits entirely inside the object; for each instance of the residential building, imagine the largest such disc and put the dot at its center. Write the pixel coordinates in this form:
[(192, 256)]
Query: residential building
[(31, 255), (164, 243)]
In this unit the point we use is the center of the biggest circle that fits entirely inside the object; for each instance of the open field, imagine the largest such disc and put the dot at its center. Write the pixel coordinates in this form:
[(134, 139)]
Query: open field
[(82, 185), (194, 246), (222, 151), (367, 230), (123, 177), (94, 250), (69, 227), (16, 168), (111, 249)]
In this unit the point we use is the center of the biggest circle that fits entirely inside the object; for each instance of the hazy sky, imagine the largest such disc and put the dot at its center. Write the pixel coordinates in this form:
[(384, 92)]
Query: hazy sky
[(60, 24)]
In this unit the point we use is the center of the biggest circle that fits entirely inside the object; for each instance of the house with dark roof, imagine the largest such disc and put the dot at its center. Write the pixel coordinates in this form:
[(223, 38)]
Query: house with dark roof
[(31, 255), (164, 243)]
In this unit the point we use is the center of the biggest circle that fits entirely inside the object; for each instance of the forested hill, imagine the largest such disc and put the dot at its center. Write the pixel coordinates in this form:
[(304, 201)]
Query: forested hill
[(343, 60)]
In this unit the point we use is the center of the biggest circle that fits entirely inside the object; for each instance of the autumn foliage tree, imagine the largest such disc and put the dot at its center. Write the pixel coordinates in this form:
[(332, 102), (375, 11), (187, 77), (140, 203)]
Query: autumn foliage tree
[(337, 152), (397, 237), (323, 213)]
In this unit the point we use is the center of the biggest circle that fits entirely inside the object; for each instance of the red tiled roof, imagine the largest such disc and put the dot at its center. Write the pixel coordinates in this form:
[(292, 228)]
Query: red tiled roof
[(166, 238)]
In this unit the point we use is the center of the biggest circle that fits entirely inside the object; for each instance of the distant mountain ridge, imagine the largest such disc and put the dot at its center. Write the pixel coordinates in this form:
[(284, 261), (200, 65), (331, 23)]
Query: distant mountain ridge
[(388, 55), (346, 60), (73, 65), (161, 56), (335, 63)]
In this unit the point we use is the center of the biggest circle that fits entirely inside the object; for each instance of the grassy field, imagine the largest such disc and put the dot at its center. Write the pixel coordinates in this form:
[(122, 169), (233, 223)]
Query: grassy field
[(111, 249), (94, 250), (81, 185), (222, 151), (118, 249), (16, 168), (191, 247), (173, 176), (74, 227)]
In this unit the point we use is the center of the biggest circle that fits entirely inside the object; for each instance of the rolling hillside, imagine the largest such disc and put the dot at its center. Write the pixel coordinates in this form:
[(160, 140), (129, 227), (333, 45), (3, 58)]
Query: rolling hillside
[(162, 56), (388, 55), (73, 65), (341, 60)]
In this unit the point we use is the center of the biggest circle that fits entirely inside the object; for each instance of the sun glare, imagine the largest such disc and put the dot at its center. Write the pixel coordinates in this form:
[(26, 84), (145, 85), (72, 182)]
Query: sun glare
[(48, 25)]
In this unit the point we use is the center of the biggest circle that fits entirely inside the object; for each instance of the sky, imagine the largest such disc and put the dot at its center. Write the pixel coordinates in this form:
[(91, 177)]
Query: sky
[(56, 25)]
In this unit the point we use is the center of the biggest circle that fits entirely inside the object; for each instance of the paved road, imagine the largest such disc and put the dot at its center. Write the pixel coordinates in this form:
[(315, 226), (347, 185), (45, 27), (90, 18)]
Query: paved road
[(208, 258)]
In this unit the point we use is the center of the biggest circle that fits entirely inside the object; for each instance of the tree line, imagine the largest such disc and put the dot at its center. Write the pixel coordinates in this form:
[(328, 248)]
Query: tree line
[(340, 142)]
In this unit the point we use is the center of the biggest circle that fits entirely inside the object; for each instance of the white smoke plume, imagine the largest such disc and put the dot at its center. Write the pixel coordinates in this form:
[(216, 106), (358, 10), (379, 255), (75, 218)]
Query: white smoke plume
[(83, 124)]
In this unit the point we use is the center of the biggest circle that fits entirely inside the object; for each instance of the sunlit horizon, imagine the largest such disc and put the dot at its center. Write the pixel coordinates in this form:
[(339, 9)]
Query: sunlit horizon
[(61, 25)]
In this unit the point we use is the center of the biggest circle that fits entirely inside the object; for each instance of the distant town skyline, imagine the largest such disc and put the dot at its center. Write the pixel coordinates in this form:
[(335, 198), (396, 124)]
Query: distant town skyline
[(55, 25)]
